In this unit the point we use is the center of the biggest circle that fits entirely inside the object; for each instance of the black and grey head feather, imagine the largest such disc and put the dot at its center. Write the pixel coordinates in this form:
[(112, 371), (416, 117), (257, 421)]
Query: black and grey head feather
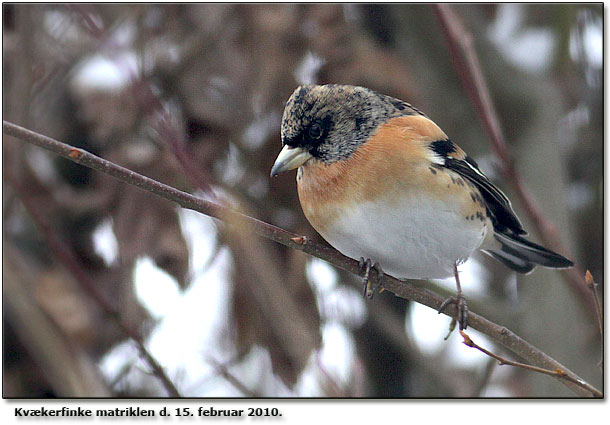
[(331, 121)]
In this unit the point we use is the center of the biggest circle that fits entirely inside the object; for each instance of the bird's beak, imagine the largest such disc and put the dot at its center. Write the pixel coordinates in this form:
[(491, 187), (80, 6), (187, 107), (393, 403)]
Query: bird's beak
[(289, 159)]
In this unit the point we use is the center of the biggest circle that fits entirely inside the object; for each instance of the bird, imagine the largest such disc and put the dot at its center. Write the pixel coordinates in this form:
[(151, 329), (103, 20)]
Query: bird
[(379, 180)]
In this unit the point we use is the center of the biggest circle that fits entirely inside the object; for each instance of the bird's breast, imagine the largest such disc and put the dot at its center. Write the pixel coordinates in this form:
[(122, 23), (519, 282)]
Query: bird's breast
[(416, 219)]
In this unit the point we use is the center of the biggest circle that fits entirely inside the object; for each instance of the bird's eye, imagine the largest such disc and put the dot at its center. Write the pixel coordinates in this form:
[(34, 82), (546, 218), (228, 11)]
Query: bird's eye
[(315, 131)]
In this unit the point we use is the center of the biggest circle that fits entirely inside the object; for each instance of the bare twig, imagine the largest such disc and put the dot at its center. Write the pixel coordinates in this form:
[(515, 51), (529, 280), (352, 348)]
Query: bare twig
[(598, 309), (162, 121), (232, 379), (165, 127), (67, 257), (329, 384), (466, 63), (402, 289), (88, 22), (557, 373)]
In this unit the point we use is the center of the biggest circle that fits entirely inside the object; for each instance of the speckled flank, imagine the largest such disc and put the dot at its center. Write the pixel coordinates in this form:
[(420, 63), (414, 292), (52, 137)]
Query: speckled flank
[(351, 115), (476, 195)]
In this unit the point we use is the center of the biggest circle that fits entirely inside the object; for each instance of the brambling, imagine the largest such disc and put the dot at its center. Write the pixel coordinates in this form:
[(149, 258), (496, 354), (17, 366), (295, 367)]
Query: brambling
[(380, 180)]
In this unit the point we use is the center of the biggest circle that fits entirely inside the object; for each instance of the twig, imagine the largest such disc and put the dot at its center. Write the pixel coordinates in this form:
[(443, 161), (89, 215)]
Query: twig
[(466, 63), (330, 384), (88, 21), (402, 289), (162, 121), (598, 309), (557, 373), (166, 129), (123, 371), (224, 372), (484, 381), (142, 90), (67, 257)]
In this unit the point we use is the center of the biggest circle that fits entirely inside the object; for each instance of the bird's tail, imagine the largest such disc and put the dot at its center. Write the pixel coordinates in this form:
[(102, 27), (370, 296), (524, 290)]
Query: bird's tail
[(522, 255)]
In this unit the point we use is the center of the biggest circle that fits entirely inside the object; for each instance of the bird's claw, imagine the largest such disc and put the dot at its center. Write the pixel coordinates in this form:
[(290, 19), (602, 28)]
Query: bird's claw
[(462, 311), (366, 266)]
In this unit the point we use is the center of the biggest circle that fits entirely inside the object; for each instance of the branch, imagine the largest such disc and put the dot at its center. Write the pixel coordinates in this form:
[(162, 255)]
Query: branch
[(466, 63), (165, 127), (557, 373), (151, 104), (67, 257), (598, 309), (67, 368), (402, 289), (223, 370), (484, 381)]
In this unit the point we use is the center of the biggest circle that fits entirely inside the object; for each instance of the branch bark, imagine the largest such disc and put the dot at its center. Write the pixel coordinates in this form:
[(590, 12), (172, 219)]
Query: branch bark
[(402, 289)]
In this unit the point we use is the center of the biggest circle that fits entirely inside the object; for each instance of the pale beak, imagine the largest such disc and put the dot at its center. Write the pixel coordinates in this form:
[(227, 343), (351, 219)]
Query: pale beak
[(289, 159)]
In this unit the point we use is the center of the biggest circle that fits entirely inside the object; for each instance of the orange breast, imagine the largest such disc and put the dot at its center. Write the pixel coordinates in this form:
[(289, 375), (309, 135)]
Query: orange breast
[(393, 163)]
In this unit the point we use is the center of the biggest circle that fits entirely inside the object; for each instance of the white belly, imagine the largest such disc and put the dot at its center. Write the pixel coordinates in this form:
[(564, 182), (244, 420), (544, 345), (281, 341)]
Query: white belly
[(414, 238)]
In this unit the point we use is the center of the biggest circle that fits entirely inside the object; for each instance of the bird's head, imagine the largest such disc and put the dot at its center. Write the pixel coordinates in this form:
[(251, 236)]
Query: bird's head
[(328, 123)]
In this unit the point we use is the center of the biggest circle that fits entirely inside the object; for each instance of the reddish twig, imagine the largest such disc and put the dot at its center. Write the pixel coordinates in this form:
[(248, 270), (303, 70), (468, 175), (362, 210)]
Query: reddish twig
[(598, 309), (67, 257), (557, 373), (466, 63), (402, 289)]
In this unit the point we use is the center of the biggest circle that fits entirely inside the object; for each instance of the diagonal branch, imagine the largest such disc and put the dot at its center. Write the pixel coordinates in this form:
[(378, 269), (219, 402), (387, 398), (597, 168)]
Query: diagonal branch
[(402, 289), (223, 370), (466, 63)]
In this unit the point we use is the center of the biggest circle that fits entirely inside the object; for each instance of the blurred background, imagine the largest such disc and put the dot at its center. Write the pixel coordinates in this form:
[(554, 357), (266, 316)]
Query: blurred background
[(192, 95)]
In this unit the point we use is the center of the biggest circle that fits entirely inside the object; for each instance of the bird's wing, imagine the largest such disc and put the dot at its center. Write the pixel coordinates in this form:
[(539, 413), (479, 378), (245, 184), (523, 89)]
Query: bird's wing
[(502, 215)]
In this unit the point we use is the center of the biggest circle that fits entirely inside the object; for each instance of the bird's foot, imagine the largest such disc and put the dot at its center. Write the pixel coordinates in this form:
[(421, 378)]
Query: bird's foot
[(366, 266), (462, 312)]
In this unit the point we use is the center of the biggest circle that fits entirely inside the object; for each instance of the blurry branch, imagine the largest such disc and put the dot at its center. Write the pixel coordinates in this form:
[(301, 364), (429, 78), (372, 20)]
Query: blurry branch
[(224, 372), (391, 324), (68, 370), (484, 381), (466, 63), (162, 121), (598, 309), (88, 20), (558, 373), (402, 289), (123, 372), (330, 386), (291, 328), (67, 257), (167, 130)]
